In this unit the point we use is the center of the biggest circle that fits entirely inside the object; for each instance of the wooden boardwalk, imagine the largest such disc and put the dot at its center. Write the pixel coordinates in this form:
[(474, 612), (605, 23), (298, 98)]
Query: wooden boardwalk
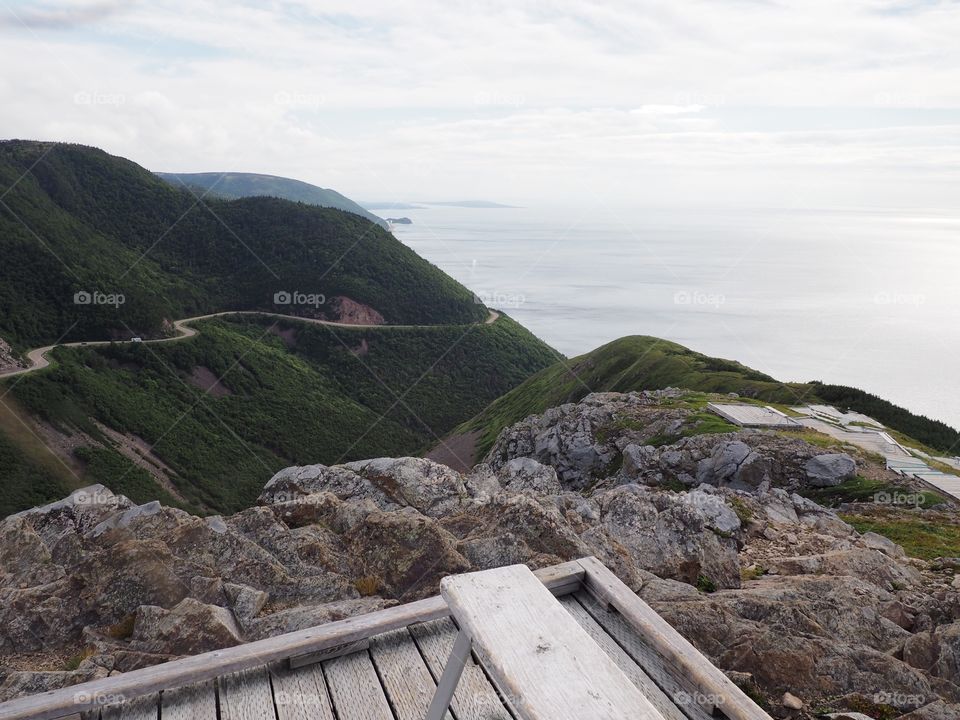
[(392, 680), (386, 666)]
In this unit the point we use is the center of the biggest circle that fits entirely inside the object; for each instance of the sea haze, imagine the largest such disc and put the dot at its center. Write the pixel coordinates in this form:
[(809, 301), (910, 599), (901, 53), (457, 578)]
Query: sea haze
[(862, 298)]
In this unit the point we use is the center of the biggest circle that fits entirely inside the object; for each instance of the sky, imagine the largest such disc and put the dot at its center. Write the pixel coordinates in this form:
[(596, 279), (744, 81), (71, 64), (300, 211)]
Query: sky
[(680, 104)]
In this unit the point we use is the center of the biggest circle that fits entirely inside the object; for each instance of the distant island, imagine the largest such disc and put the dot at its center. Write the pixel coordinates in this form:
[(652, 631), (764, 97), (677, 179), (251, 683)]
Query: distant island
[(383, 205), (469, 204), (400, 221), (422, 204)]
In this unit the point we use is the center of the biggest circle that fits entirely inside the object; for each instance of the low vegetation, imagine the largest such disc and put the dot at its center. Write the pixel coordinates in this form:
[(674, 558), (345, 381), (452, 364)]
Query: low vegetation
[(294, 394), (921, 537), (860, 490)]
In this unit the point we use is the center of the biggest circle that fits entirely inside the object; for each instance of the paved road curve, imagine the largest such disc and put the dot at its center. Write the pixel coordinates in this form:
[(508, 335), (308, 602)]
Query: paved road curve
[(38, 357)]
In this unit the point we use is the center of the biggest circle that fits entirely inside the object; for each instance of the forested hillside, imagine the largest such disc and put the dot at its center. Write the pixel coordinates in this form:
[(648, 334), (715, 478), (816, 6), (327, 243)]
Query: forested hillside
[(77, 220), (214, 414), (232, 185)]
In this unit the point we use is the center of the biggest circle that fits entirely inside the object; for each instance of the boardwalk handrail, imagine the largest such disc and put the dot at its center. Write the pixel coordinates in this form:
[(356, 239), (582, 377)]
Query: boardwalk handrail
[(715, 688), (559, 579)]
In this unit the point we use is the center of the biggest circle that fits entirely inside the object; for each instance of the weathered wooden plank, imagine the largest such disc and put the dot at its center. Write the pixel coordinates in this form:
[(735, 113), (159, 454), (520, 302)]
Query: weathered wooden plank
[(562, 578), (660, 700), (475, 698), (355, 688), (712, 687), (300, 694), (246, 695), (298, 661), (674, 683), (541, 659), (405, 677), (191, 702), (140, 708)]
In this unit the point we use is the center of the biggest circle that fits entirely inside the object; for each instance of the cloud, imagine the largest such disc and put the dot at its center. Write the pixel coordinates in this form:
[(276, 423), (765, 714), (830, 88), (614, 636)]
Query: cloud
[(61, 15), (513, 101)]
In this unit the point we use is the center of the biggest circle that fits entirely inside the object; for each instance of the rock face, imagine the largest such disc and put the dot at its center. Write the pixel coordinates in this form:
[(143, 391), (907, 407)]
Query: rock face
[(7, 359), (829, 470), (824, 612)]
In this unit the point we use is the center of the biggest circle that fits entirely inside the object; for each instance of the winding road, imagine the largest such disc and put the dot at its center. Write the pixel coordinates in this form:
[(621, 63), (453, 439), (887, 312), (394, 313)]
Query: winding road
[(38, 356)]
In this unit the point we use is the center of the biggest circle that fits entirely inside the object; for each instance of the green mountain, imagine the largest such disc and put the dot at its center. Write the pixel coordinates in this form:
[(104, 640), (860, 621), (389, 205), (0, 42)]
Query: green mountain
[(239, 185), (649, 363), (200, 421), (74, 219)]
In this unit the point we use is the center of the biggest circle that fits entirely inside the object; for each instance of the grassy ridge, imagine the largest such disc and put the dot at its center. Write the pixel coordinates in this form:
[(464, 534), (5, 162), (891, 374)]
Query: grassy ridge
[(292, 393), (629, 363), (649, 363), (232, 185)]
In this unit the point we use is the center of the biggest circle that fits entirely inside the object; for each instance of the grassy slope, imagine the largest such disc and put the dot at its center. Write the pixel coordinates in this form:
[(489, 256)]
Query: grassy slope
[(641, 363), (314, 401), (237, 185), (630, 363), (75, 218)]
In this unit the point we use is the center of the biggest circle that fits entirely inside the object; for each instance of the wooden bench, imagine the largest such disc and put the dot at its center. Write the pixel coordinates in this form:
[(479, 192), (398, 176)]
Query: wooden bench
[(538, 656)]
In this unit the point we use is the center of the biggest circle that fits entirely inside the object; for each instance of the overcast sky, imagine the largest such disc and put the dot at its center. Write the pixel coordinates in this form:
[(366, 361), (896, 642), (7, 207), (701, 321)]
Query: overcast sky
[(806, 102)]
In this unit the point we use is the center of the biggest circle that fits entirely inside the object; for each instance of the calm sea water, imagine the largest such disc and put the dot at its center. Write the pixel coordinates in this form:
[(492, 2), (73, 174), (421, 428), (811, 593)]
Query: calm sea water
[(868, 299)]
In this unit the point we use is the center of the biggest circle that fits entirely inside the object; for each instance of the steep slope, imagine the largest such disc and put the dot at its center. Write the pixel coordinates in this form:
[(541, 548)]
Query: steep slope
[(196, 423), (231, 186), (649, 363), (75, 222)]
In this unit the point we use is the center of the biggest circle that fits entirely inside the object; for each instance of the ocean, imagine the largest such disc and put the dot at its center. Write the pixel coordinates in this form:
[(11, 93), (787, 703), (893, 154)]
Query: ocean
[(861, 298)]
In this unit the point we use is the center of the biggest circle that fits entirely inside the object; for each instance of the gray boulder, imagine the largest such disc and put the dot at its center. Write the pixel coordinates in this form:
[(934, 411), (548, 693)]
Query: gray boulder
[(830, 469), (527, 475)]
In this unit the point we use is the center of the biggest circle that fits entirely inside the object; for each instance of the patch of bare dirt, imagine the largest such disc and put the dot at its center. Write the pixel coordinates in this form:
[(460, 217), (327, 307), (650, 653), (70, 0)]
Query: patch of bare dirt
[(362, 349), (7, 359), (63, 444), (288, 335), (39, 661), (140, 453), (125, 365), (204, 378), (458, 452), (350, 311)]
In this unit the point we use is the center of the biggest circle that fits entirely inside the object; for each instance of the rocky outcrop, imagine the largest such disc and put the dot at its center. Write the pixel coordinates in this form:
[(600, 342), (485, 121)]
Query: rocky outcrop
[(709, 529), (8, 360), (830, 469), (351, 312)]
